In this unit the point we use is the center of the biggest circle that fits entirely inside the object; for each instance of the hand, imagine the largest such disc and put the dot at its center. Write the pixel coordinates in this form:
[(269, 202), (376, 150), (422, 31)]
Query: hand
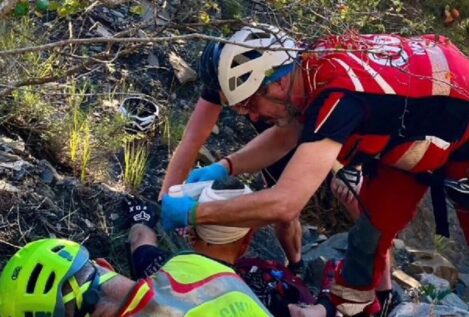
[(177, 212), (306, 310), (138, 210), (353, 177), (215, 171)]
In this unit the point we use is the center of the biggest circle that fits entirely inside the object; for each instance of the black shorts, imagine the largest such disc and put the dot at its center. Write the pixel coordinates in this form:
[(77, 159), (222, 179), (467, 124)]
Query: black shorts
[(147, 260)]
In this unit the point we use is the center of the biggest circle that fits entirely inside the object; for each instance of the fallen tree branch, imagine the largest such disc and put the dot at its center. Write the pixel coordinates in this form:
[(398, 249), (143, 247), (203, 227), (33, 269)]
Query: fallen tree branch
[(94, 40), (72, 71)]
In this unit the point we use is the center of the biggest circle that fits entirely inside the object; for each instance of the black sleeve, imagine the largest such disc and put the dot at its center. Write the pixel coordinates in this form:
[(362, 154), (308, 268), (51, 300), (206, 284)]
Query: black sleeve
[(333, 115), (211, 95), (147, 260)]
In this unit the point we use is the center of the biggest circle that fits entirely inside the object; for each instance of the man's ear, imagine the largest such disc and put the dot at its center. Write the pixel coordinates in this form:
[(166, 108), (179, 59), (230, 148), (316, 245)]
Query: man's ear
[(285, 83)]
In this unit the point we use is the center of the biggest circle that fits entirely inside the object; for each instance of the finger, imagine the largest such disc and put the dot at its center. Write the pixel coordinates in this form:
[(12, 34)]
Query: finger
[(334, 185), (350, 197), (342, 191)]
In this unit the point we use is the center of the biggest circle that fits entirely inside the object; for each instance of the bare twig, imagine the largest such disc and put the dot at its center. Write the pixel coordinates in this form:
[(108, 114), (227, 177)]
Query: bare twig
[(73, 71), (10, 244), (95, 40)]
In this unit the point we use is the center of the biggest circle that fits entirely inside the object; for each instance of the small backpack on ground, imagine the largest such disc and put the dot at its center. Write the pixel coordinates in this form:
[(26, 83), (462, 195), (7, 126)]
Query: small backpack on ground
[(274, 284)]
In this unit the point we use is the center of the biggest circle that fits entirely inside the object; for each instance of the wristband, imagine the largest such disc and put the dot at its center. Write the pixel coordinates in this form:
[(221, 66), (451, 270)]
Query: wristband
[(193, 214), (230, 165)]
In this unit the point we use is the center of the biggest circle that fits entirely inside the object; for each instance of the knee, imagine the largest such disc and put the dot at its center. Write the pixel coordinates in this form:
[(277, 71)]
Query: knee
[(458, 193), (140, 234)]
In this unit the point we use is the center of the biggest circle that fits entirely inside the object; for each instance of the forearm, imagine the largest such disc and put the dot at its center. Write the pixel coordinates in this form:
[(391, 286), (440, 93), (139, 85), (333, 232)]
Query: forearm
[(198, 129), (266, 149), (254, 210), (282, 203), (180, 165)]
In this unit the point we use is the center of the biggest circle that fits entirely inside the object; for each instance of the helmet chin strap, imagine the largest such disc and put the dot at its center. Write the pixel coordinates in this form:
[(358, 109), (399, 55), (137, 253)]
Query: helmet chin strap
[(87, 295)]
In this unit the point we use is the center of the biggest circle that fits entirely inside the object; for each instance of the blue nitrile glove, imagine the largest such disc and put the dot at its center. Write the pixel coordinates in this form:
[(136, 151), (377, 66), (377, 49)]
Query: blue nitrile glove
[(178, 212), (215, 172)]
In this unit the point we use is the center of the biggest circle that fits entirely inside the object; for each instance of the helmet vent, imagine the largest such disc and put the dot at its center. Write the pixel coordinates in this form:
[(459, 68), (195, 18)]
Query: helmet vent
[(50, 283), (245, 57), (258, 36), (33, 279), (57, 248), (236, 82), (28, 314)]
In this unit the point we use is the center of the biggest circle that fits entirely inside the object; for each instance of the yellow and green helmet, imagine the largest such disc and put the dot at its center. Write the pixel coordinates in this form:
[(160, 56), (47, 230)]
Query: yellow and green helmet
[(32, 280)]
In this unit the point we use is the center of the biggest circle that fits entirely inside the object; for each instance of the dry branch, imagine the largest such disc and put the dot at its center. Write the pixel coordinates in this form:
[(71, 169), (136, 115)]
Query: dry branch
[(6, 6), (113, 40)]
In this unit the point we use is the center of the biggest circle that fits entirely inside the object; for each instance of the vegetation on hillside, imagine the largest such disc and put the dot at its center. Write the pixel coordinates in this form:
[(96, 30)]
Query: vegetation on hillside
[(66, 66)]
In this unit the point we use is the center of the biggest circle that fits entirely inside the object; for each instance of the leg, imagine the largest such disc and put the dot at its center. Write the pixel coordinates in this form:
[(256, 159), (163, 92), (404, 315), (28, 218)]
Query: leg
[(457, 170), (391, 201), (140, 235), (145, 258), (290, 235)]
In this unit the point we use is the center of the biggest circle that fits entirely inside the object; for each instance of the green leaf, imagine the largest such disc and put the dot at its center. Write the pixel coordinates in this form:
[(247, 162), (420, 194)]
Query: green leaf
[(22, 9), (42, 5), (204, 17), (138, 10), (54, 5)]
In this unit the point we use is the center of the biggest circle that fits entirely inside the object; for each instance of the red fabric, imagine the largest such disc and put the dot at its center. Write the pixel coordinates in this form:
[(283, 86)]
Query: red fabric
[(369, 144), (327, 108), (132, 297), (391, 199), (412, 73), (417, 67), (186, 288)]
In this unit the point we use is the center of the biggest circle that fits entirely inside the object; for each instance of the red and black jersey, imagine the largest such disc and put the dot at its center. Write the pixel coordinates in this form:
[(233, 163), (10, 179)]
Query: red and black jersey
[(404, 101), (417, 67)]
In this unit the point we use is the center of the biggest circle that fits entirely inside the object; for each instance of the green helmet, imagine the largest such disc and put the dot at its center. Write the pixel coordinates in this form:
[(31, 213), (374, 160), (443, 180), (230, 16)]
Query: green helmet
[(32, 280)]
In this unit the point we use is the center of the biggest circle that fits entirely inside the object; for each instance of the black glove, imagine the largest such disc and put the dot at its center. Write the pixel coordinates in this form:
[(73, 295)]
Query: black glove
[(458, 191), (138, 210)]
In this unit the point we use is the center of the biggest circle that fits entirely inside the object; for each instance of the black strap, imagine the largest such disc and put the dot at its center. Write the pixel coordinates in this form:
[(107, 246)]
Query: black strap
[(340, 174), (91, 296), (440, 209)]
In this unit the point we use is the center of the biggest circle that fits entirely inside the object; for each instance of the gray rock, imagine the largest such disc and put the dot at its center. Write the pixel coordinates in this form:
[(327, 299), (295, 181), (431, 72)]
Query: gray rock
[(48, 172), (10, 145), (184, 72), (439, 283), (265, 245), (426, 310), (205, 156), (4, 186), (332, 248), (454, 301)]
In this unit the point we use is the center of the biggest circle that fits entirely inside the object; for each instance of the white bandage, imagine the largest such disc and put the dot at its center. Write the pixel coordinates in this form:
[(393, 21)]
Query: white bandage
[(221, 234)]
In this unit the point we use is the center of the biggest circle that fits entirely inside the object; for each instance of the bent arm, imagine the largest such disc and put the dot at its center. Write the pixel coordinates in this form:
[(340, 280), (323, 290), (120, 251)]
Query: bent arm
[(266, 149), (197, 131), (282, 203)]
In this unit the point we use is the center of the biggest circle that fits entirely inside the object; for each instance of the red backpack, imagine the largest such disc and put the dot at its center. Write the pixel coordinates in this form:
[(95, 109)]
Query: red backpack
[(274, 284)]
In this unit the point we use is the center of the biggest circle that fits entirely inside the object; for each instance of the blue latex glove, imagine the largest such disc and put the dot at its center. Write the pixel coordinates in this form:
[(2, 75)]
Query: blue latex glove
[(178, 212), (215, 172)]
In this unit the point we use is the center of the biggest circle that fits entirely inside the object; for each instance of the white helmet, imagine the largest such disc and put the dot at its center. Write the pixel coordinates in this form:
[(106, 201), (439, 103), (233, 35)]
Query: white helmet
[(140, 114), (241, 70)]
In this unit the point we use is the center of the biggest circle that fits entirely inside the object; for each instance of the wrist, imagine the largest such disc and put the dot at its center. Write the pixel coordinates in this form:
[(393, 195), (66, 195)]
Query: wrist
[(228, 164)]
